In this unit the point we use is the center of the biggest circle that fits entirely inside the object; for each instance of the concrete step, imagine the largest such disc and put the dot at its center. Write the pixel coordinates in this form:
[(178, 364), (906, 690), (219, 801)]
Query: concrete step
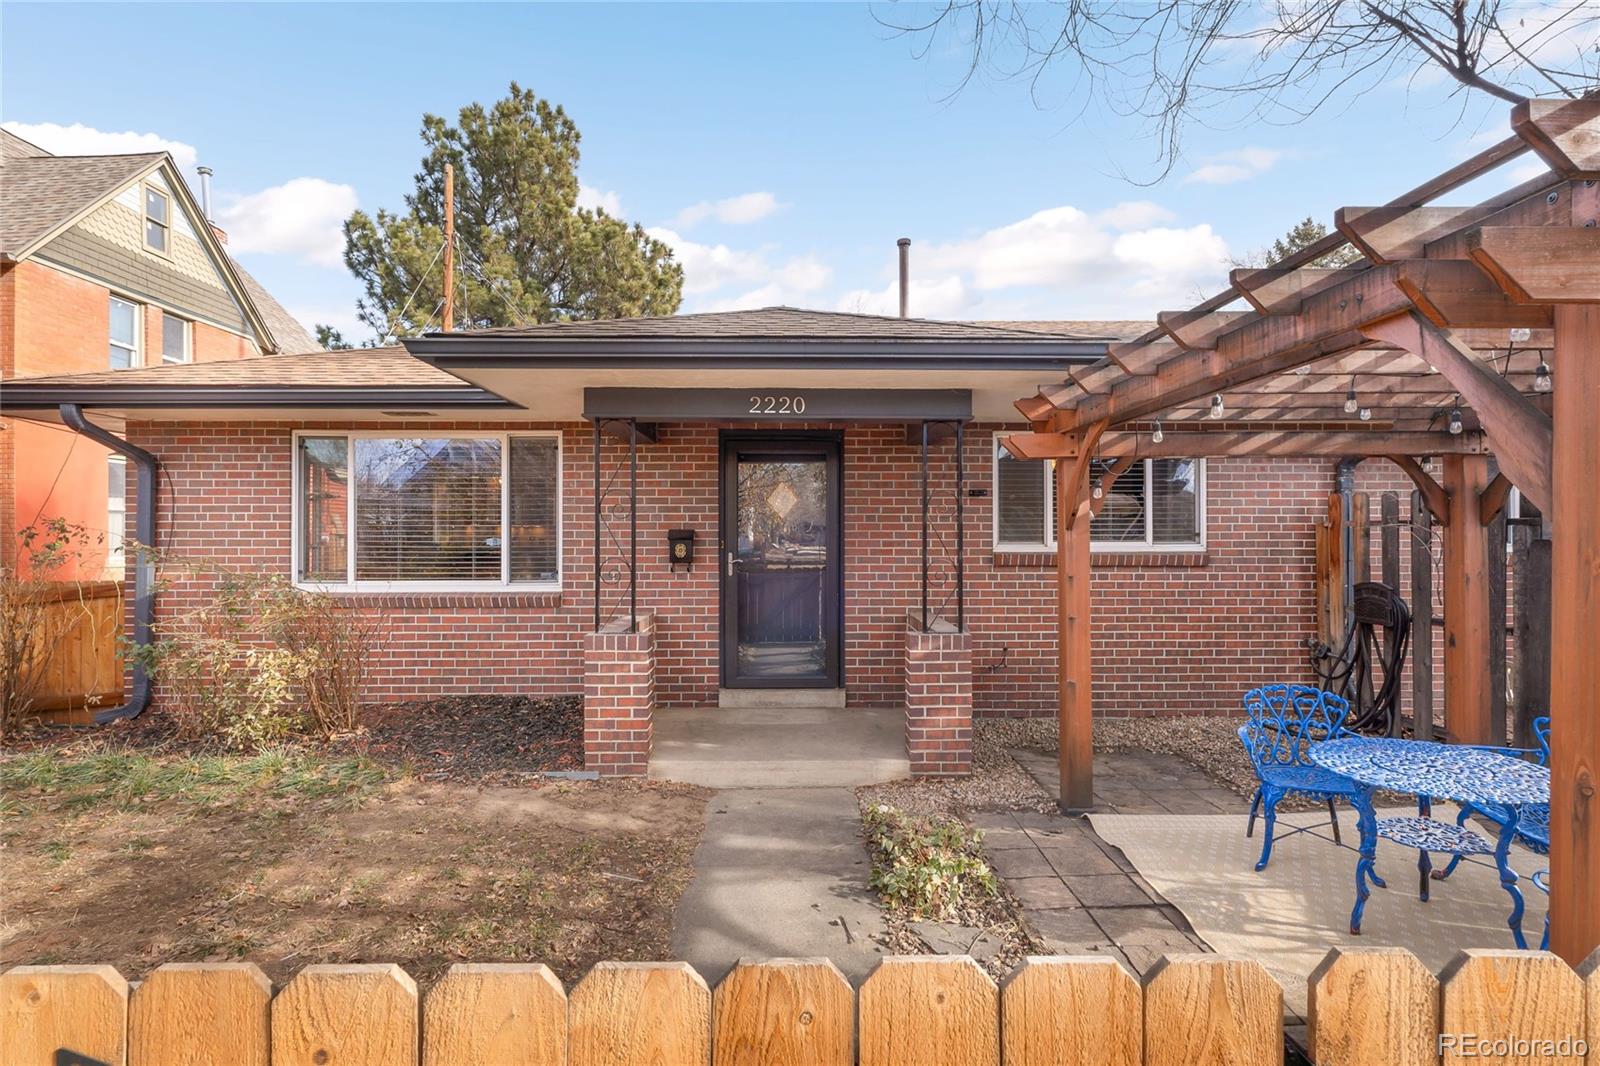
[(780, 747), (755, 698)]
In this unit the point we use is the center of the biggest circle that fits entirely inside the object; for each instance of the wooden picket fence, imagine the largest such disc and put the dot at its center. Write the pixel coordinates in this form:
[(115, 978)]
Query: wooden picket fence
[(1370, 1007)]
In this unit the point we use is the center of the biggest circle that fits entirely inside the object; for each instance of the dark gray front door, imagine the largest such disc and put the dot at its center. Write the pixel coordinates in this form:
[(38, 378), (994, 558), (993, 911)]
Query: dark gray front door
[(781, 560)]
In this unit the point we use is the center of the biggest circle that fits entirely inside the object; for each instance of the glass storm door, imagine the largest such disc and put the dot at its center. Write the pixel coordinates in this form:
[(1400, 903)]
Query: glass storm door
[(780, 561)]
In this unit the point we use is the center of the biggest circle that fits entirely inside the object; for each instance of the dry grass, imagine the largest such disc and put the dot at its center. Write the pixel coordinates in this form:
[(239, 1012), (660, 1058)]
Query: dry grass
[(289, 858)]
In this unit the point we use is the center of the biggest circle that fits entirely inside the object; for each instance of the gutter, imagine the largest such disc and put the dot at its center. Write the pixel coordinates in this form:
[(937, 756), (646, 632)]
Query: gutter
[(144, 569), (20, 396), (809, 353)]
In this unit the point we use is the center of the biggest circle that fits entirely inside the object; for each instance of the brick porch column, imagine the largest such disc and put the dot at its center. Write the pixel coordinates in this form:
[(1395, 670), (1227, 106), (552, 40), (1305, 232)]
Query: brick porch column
[(938, 701), (619, 698)]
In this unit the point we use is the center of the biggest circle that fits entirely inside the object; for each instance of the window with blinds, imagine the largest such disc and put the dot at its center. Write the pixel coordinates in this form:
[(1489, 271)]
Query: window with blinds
[(1156, 503), (471, 510)]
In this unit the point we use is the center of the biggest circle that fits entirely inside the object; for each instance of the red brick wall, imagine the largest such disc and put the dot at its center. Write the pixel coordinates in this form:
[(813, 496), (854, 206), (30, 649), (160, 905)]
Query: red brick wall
[(52, 322), (619, 699), (1173, 634), (938, 694)]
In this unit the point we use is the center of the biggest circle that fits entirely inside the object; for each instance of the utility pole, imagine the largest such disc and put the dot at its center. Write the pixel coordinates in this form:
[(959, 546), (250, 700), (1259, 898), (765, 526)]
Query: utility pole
[(449, 247)]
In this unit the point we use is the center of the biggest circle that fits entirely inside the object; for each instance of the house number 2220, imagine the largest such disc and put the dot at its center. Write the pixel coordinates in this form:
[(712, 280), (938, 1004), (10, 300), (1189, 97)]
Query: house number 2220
[(777, 405)]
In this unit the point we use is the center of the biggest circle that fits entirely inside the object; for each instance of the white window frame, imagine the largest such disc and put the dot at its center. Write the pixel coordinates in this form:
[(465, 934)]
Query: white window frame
[(188, 338), (115, 557), (350, 584), (145, 219), (135, 353), (1048, 544)]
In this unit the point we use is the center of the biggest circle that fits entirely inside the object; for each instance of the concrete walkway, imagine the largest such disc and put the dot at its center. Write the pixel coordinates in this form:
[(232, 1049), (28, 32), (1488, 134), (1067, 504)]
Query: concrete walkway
[(780, 873)]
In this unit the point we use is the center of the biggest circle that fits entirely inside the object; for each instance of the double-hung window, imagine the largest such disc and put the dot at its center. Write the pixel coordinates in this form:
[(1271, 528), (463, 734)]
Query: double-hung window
[(176, 339), (1157, 504), (157, 220), (116, 511), (124, 334), (380, 511)]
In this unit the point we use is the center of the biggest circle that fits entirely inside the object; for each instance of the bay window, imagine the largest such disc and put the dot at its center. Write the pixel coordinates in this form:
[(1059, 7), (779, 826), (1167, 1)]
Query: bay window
[(469, 510), (1157, 505)]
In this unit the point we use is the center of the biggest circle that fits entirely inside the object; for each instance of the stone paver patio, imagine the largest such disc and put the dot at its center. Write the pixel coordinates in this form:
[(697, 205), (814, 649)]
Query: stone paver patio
[(1079, 894)]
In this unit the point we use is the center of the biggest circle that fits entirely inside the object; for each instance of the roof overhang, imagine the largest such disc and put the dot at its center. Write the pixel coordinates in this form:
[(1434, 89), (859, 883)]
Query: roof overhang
[(165, 403)]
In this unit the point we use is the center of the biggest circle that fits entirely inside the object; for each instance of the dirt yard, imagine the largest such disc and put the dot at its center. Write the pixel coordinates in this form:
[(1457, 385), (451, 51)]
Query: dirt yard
[(289, 858)]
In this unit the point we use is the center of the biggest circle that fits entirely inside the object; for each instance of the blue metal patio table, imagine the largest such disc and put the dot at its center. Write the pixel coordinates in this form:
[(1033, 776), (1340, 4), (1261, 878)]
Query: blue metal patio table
[(1431, 771)]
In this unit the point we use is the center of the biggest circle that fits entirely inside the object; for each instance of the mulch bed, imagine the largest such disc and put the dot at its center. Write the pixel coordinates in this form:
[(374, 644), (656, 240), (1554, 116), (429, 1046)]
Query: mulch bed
[(477, 738), (481, 739)]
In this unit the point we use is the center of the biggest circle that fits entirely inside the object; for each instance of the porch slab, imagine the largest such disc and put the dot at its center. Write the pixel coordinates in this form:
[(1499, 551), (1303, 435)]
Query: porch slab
[(780, 747)]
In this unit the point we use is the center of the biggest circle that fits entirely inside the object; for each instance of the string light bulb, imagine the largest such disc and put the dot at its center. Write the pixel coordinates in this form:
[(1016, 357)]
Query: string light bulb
[(1455, 425), (1099, 490), (1217, 407), (1365, 415), (1542, 379), (1350, 404), (1156, 437)]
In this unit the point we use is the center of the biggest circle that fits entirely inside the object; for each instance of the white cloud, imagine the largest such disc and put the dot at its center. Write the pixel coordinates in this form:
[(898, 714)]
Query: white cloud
[(945, 297), (1134, 214), (710, 267), (735, 210), (1229, 167), (302, 217), (78, 139), (1061, 262), (593, 199)]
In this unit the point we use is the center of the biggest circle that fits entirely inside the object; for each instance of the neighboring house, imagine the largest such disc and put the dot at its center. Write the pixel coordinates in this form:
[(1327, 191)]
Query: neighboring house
[(108, 263), (455, 488)]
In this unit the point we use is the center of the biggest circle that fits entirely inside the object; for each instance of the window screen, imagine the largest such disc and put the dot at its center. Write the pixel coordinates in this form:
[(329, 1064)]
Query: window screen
[(1020, 499), (324, 508), (535, 499), (427, 509)]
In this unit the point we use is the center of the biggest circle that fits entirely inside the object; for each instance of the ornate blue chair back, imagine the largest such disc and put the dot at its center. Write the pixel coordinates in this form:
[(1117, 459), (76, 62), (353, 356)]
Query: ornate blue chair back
[(1284, 720), (1541, 735)]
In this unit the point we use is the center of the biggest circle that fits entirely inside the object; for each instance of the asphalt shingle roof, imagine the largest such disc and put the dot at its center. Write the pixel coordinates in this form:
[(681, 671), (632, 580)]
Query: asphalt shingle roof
[(40, 192), (354, 368), (287, 331), (1112, 329), (767, 323)]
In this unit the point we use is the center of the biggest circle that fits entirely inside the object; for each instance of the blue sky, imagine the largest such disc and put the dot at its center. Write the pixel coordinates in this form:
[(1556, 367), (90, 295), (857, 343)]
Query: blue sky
[(780, 148)]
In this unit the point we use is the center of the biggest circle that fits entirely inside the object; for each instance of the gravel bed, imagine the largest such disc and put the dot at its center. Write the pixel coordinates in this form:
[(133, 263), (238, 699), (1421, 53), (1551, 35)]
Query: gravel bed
[(998, 783)]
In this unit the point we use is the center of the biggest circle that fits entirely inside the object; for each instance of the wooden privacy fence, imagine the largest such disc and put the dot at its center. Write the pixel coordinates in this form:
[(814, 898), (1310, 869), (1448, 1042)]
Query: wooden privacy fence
[(82, 671), (1369, 1007)]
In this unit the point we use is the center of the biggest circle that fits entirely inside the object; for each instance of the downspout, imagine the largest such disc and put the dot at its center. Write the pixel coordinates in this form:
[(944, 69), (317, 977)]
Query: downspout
[(144, 568)]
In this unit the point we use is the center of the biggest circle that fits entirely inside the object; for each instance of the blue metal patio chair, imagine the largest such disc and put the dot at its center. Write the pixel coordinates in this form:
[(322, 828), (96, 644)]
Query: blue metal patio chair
[(1533, 825), (1283, 722)]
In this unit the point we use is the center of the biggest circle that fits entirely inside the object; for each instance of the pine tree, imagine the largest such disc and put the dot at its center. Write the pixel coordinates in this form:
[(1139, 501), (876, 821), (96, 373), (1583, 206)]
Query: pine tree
[(526, 252)]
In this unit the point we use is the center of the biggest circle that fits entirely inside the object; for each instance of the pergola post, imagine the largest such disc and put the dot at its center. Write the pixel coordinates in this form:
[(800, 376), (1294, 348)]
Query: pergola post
[(1575, 652), (1467, 699), (1075, 719)]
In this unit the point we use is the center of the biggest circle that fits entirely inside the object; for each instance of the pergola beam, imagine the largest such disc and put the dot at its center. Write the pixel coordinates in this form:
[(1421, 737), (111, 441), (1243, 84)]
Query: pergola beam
[(1279, 291), (1551, 265), (1434, 496), (1519, 432), (1279, 443), (1565, 133)]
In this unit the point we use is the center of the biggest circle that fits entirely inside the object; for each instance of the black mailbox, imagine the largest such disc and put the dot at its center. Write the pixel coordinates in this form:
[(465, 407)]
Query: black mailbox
[(680, 547)]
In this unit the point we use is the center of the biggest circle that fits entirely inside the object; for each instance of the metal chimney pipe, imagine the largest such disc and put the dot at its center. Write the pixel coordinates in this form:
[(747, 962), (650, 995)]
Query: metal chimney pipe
[(905, 276), (205, 192)]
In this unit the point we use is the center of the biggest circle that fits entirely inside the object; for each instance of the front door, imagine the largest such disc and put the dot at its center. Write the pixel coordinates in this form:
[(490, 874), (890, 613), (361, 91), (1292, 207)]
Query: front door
[(781, 562)]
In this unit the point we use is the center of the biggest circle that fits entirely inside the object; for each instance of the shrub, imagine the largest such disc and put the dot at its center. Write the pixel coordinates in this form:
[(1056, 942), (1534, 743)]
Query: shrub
[(929, 866), (38, 609), (259, 659)]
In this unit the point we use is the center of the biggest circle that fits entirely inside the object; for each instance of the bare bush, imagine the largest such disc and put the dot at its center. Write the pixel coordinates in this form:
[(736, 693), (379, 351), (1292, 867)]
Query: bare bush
[(259, 659)]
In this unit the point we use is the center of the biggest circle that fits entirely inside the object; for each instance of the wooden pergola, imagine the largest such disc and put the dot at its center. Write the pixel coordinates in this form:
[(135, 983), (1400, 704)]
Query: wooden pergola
[(1467, 333)]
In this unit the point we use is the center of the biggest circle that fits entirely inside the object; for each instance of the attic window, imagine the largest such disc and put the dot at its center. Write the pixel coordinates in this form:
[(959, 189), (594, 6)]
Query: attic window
[(157, 219)]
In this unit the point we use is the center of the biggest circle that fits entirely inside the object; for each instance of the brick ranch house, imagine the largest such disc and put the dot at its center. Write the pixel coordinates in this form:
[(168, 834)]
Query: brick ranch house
[(776, 502)]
